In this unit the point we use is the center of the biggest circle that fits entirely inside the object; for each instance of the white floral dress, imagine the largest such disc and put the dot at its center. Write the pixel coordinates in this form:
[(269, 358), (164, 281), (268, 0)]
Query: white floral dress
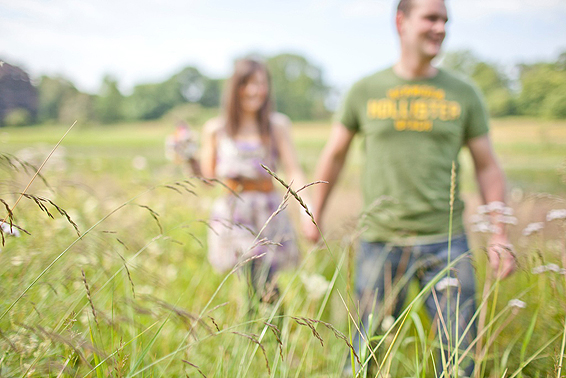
[(236, 221)]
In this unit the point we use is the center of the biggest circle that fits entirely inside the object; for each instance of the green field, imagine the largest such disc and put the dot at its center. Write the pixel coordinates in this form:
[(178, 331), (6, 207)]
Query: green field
[(132, 293)]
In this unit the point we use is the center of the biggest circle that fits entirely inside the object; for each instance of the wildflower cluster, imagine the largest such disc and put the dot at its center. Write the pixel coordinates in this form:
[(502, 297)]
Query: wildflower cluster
[(548, 268), (489, 215), (552, 215)]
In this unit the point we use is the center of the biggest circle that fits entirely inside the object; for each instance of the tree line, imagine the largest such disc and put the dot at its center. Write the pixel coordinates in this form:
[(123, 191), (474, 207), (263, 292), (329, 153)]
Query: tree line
[(300, 91), (536, 90)]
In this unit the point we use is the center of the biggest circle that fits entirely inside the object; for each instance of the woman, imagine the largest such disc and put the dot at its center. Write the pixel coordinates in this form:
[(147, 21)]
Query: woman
[(234, 146)]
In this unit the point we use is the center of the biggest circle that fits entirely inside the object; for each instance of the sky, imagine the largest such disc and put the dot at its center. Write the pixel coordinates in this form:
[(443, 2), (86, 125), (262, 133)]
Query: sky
[(142, 41)]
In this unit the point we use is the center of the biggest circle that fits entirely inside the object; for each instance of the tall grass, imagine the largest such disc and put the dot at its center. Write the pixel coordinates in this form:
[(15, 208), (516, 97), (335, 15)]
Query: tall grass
[(132, 295)]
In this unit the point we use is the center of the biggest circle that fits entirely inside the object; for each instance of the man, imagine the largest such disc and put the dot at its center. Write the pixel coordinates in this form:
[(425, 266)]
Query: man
[(414, 118)]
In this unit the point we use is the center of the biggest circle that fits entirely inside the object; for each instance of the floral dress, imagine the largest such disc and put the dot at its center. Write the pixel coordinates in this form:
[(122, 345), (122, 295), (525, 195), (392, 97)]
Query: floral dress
[(235, 221)]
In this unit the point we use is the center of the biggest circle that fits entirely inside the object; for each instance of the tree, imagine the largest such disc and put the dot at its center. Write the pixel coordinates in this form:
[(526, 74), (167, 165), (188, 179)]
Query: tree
[(151, 101), (298, 87), (463, 61), (490, 79), (109, 102), (78, 107), (211, 96), (495, 87), (543, 89), (53, 91)]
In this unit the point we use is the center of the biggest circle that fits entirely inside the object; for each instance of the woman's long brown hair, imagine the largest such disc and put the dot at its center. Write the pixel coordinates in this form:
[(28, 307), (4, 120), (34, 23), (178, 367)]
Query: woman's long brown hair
[(243, 70)]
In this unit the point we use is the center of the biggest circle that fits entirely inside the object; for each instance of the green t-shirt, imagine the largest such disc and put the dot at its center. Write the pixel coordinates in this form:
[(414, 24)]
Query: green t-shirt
[(412, 132)]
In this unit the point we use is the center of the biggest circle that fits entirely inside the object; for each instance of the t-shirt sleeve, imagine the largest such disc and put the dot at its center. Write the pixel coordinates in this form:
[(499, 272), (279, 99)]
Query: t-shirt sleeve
[(347, 113), (477, 122)]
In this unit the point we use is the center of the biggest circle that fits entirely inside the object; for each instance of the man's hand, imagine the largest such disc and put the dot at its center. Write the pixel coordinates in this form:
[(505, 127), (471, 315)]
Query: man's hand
[(501, 256)]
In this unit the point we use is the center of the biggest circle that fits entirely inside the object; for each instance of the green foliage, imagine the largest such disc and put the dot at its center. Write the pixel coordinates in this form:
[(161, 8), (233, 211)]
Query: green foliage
[(463, 61), (490, 79), (18, 117), (500, 102), (554, 105), (52, 92), (109, 102), (543, 89), (151, 101), (212, 93), (193, 114), (298, 87), (78, 107), (60, 101)]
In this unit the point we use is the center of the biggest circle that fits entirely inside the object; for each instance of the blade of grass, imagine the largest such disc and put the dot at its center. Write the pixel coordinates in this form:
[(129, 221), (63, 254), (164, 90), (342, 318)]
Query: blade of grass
[(39, 170), (79, 238), (146, 349), (538, 351), (119, 349), (561, 360), (527, 338), (386, 356)]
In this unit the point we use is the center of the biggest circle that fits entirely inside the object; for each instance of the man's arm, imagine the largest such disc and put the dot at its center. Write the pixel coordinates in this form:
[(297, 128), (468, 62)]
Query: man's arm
[(328, 169), (491, 183)]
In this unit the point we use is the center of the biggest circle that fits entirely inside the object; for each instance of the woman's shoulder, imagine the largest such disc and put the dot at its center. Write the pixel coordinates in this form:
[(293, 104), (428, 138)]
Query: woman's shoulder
[(280, 121), (214, 125)]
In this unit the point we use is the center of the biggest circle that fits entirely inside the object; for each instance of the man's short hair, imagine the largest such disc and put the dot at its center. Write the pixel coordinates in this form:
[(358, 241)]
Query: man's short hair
[(405, 6)]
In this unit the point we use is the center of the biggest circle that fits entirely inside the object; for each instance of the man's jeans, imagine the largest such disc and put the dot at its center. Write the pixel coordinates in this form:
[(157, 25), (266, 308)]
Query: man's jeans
[(383, 275)]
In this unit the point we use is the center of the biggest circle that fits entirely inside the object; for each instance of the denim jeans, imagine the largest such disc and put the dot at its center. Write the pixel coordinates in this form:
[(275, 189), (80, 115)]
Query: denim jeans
[(383, 276)]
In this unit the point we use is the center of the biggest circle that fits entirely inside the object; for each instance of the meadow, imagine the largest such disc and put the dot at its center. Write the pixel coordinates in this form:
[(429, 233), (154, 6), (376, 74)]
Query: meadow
[(109, 276)]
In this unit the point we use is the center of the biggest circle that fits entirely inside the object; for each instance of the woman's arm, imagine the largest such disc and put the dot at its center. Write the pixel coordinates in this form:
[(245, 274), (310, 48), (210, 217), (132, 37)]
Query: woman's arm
[(208, 148)]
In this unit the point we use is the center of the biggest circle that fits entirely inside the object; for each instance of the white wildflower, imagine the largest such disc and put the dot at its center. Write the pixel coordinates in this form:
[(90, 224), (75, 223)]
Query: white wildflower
[(533, 228), (447, 282), (483, 227), (483, 209), (139, 162), (144, 289), (171, 272), (10, 230), (539, 269), (548, 268), (387, 322), (496, 206), (556, 214), (553, 268), (90, 206), (17, 261), (315, 285), (507, 219), (508, 211), (517, 303)]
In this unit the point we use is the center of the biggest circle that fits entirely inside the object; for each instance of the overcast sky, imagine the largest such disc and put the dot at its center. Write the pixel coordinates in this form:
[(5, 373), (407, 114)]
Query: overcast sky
[(140, 41)]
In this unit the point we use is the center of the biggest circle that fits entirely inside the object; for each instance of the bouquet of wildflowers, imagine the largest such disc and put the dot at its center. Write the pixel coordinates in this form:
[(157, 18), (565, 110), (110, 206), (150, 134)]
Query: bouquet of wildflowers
[(182, 147)]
